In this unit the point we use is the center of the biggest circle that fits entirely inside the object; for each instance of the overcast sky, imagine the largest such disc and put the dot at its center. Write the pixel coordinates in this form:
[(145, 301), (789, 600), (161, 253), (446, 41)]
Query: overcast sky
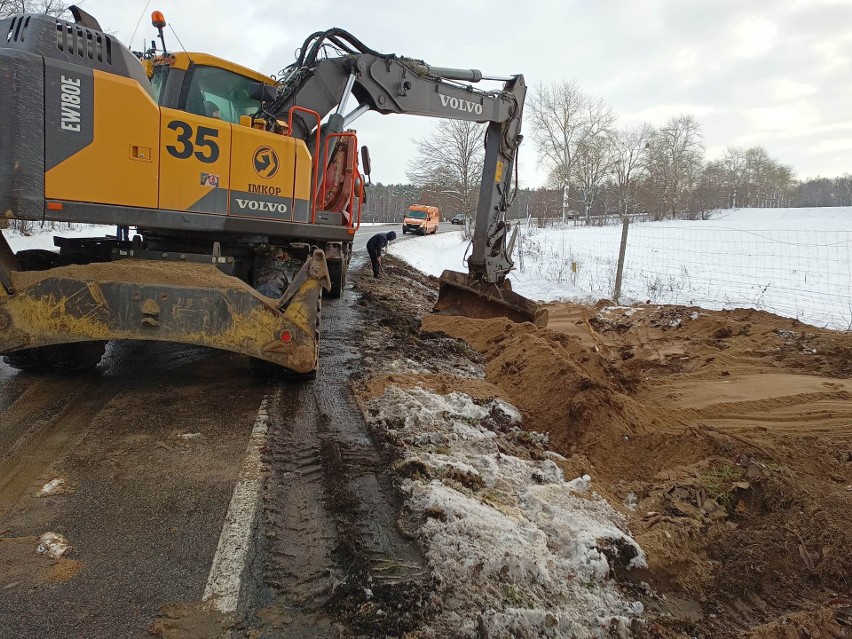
[(776, 73)]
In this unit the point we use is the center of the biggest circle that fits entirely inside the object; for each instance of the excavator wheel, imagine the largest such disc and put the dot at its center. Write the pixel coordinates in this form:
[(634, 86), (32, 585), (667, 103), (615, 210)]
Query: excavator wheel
[(337, 271), (75, 358), (261, 368), (270, 277), (62, 358), (30, 360)]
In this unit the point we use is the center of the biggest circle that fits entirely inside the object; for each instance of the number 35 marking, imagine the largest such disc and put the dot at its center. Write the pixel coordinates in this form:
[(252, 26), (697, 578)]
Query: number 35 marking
[(209, 152)]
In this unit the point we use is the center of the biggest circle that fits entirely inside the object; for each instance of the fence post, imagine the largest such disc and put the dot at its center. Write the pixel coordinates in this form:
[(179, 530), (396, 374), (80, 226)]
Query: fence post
[(520, 247), (616, 294)]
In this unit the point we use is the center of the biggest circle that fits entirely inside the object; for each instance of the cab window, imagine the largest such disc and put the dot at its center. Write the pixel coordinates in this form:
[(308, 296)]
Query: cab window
[(222, 94), (158, 80)]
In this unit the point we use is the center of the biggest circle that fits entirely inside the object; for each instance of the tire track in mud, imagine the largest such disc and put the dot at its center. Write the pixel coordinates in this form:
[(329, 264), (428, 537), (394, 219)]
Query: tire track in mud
[(329, 540), (45, 420), (145, 504)]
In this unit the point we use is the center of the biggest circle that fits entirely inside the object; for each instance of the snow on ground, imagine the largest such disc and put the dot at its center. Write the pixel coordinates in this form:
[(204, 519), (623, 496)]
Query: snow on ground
[(42, 237), (516, 549), (793, 262)]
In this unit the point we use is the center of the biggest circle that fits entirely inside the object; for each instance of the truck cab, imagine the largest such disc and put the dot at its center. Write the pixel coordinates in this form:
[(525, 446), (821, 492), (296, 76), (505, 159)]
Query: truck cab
[(421, 219)]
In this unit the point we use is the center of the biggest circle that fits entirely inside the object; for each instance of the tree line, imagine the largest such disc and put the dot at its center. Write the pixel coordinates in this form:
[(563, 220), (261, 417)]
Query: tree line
[(597, 168)]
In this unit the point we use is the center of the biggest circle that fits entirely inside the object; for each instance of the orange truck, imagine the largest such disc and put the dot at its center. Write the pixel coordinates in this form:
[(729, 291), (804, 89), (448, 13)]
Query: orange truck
[(421, 219)]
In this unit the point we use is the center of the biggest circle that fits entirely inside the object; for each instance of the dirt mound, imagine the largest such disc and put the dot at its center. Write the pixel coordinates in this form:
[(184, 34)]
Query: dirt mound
[(724, 436), (563, 388)]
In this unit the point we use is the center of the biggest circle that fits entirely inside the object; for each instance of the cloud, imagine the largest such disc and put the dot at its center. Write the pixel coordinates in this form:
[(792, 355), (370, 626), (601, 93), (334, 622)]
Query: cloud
[(755, 37), (768, 72)]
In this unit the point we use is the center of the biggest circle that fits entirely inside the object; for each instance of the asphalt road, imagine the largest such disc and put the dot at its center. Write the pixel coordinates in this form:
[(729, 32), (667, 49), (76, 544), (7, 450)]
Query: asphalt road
[(366, 232), (149, 449)]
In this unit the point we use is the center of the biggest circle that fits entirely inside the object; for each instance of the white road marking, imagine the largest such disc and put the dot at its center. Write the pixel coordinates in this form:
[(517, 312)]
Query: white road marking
[(229, 563)]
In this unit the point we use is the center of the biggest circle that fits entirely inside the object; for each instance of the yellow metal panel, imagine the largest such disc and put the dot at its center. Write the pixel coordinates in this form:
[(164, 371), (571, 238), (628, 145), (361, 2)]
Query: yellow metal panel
[(112, 170), (254, 171), (194, 162), (303, 163)]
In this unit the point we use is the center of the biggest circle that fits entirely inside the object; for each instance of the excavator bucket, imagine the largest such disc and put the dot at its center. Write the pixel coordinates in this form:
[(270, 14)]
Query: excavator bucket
[(181, 302), (461, 294)]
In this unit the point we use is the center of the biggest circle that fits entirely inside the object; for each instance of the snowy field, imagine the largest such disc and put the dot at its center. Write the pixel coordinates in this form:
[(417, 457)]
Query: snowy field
[(793, 262), (42, 237)]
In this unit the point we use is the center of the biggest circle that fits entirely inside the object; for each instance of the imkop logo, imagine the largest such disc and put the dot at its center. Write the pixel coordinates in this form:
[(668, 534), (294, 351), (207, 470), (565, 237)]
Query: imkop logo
[(266, 162)]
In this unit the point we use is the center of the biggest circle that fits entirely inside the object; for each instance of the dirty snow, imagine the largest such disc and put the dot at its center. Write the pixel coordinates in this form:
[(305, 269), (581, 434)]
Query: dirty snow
[(51, 487), (53, 545), (518, 550), (793, 262)]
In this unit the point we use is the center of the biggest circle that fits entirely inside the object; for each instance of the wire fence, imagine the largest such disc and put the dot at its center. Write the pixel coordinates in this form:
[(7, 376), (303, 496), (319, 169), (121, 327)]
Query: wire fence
[(799, 273)]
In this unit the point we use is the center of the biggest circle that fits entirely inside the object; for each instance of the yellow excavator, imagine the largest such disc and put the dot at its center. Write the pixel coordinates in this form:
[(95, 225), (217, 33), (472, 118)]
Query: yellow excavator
[(235, 195)]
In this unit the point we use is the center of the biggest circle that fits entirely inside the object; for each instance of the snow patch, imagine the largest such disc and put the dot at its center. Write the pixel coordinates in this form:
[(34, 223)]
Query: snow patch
[(792, 262), (41, 236), (516, 549), (51, 487), (53, 545)]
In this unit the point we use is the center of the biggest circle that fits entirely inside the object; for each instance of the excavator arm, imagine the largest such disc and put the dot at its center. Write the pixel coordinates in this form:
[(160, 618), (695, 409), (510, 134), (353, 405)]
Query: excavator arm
[(364, 80)]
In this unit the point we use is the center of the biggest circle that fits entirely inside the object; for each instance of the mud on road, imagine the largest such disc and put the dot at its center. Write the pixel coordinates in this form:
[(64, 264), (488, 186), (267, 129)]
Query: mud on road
[(719, 443), (723, 437), (140, 460)]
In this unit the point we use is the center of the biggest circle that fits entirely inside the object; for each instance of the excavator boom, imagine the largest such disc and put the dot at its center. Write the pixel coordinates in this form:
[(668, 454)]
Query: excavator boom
[(390, 84)]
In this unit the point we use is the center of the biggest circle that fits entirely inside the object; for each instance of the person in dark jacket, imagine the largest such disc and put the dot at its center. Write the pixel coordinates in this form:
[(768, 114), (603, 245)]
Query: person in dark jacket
[(375, 246)]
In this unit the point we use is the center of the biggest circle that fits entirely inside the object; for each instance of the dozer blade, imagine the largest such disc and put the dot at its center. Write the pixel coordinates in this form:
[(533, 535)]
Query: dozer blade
[(184, 302), (461, 294)]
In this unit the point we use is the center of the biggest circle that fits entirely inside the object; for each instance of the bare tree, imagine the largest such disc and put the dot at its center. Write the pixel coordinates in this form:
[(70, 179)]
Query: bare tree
[(565, 120), (674, 161), (449, 163), (56, 8), (628, 162), (594, 162), (736, 168)]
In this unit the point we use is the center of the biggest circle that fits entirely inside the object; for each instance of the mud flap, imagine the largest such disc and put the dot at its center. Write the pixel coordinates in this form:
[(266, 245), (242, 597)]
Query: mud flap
[(460, 294), (163, 301)]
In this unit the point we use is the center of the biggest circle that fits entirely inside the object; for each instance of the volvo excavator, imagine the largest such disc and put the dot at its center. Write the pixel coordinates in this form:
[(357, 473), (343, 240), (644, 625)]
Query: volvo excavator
[(235, 196)]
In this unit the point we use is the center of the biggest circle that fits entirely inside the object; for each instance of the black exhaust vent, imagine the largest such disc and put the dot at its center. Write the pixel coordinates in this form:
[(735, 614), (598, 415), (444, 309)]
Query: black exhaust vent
[(17, 29), (73, 39)]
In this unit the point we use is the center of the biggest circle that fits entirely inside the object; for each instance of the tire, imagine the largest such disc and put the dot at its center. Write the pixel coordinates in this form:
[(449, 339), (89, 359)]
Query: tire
[(75, 358), (37, 259), (61, 358), (270, 277), (337, 272), (29, 360)]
